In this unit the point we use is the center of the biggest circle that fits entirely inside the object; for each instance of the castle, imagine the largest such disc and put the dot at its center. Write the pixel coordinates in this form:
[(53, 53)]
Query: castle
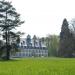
[(31, 47)]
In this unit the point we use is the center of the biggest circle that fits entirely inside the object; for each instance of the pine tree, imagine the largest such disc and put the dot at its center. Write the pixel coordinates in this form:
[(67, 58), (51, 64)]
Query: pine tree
[(66, 40), (9, 19), (34, 40), (28, 41)]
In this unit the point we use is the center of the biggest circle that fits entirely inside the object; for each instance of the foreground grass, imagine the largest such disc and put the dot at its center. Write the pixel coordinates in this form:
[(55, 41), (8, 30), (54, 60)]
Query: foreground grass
[(38, 66)]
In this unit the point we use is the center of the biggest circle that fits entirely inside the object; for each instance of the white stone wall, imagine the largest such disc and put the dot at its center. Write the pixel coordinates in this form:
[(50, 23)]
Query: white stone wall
[(31, 52)]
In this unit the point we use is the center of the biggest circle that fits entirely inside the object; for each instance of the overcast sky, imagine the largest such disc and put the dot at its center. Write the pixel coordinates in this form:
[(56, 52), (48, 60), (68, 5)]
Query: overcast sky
[(44, 17)]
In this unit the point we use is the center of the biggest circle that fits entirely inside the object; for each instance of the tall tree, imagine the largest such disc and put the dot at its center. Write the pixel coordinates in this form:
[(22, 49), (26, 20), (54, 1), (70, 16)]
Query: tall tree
[(28, 41), (72, 30), (66, 40), (52, 43), (40, 42), (34, 40), (9, 19), (47, 40)]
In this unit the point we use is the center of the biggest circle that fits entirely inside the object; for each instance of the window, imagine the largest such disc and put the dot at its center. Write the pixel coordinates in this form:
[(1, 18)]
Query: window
[(23, 42)]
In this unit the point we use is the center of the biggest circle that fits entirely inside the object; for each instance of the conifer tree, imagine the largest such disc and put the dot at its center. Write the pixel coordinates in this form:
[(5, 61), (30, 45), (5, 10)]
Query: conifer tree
[(34, 40), (66, 40), (9, 19)]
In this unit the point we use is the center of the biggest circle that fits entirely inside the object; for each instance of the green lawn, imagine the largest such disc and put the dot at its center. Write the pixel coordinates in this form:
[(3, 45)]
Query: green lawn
[(38, 66)]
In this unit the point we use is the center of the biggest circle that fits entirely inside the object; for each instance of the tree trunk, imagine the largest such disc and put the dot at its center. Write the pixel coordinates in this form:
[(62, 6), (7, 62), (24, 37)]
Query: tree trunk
[(7, 47), (7, 53), (7, 41)]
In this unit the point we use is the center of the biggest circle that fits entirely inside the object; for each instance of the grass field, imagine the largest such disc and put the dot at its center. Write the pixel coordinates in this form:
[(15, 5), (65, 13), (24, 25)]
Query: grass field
[(38, 66)]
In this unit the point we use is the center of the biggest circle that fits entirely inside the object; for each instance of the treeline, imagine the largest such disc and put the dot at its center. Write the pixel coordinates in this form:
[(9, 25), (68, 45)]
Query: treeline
[(62, 45), (52, 44)]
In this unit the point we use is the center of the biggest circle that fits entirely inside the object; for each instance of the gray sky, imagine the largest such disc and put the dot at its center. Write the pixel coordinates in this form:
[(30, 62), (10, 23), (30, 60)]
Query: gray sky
[(44, 17)]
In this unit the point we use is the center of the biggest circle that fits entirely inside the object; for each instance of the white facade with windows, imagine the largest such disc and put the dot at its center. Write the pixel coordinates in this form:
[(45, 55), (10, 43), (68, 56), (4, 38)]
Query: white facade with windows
[(29, 51)]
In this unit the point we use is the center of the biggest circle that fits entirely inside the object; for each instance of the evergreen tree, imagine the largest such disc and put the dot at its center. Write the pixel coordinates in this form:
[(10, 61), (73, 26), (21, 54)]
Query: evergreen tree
[(66, 40), (28, 41), (34, 40), (9, 19)]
